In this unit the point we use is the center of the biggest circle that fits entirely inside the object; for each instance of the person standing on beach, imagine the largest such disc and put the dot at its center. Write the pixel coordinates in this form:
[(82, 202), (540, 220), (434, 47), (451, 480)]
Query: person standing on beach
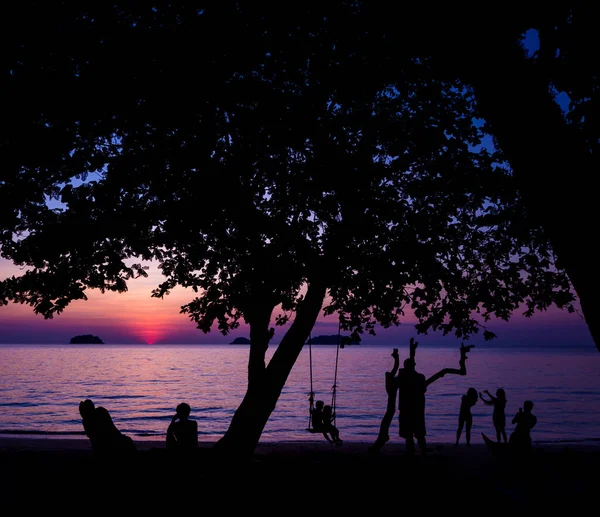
[(391, 388), (499, 415), (465, 418), (411, 397), (411, 402), (411, 406), (101, 430), (182, 433)]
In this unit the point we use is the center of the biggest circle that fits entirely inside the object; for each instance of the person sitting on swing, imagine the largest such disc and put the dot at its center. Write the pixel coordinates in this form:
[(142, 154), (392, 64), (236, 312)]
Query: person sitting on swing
[(316, 415), (319, 424), (328, 427)]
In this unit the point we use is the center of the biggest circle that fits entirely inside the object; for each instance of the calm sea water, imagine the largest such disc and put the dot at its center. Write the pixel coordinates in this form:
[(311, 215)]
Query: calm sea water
[(41, 386)]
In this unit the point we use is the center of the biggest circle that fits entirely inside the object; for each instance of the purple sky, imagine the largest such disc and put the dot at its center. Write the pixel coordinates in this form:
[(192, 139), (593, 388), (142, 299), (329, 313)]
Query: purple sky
[(135, 317)]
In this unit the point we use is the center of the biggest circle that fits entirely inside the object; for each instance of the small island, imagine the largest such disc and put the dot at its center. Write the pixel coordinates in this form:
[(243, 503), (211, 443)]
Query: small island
[(86, 339), (240, 341), (332, 340)]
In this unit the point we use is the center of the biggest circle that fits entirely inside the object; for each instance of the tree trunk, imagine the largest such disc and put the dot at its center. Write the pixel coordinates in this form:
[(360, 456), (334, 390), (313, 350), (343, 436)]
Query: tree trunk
[(266, 382), (554, 169)]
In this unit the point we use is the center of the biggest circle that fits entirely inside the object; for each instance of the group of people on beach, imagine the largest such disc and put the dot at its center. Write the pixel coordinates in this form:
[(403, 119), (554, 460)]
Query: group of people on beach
[(524, 419), (105, 437), (409, 386), (403, 385)]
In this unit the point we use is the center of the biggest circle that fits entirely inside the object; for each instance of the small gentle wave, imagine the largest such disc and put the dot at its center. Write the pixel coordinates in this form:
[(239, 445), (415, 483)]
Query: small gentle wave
[(42, 433)]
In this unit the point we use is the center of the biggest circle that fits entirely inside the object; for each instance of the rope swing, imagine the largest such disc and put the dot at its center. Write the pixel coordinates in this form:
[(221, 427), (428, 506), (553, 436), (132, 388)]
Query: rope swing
[(334, 387), (311, 396)]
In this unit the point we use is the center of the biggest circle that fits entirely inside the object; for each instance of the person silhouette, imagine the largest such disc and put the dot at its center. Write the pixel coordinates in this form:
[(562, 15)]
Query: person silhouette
[(101, 430), (411, 405), (328, 427), (498, 415), (525, 420), (182, 433), (317, 420), (465, 418), (411, 397), (391, 389)]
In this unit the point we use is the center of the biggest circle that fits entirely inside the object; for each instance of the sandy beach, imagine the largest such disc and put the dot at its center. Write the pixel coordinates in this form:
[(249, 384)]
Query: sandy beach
[(294, 473)]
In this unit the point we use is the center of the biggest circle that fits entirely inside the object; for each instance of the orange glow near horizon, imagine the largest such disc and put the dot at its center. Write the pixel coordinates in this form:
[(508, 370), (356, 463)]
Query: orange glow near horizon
[(136, 317)]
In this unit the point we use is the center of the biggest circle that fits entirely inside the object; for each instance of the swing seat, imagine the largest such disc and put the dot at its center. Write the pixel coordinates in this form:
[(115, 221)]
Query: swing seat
[(313, 431)]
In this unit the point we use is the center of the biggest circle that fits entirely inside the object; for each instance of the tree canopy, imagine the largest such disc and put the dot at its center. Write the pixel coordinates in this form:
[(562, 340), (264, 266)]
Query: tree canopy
[(250, 152)]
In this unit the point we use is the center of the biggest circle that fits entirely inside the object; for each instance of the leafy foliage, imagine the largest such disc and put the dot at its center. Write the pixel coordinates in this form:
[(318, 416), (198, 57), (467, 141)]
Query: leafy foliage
[(249, 170)]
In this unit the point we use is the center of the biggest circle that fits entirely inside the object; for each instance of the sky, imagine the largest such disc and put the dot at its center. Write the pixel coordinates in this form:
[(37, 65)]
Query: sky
[(136, 318)]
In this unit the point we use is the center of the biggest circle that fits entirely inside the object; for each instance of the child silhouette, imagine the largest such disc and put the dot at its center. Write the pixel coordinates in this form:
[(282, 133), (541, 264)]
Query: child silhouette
[(328, 427), (317, 421)]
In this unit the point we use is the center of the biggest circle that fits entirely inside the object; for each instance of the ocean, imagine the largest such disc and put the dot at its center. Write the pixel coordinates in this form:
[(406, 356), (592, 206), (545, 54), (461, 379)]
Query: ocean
[(41, 387)]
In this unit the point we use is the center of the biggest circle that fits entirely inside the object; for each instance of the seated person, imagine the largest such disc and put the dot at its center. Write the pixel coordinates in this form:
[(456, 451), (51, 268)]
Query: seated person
[(328, 427), (316, 415), (525, 420), (182, 432), (101, 430)]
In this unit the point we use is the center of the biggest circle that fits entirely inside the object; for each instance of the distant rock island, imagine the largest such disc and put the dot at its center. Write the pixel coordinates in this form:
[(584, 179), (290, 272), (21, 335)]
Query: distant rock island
[(240, 341), (332, 340), (86, 339)]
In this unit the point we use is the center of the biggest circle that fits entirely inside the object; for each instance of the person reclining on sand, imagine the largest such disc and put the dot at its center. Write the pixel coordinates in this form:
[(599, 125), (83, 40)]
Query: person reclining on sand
[(101, 430)]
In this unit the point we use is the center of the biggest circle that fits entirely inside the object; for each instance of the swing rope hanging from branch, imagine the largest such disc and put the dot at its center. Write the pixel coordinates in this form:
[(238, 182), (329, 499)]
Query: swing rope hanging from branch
[(311, 396)]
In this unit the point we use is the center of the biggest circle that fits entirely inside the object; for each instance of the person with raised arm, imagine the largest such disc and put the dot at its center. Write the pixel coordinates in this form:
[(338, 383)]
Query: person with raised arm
[(498, 415), (465, 417), (412, 386), (391, 389)]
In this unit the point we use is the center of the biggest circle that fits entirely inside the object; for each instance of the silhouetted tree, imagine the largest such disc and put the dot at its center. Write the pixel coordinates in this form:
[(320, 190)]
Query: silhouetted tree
[(554, 155), (552, 152), (270, 160)]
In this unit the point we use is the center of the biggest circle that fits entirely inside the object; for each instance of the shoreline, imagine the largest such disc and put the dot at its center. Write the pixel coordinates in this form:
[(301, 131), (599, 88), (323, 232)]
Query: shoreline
[(66, 443)]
